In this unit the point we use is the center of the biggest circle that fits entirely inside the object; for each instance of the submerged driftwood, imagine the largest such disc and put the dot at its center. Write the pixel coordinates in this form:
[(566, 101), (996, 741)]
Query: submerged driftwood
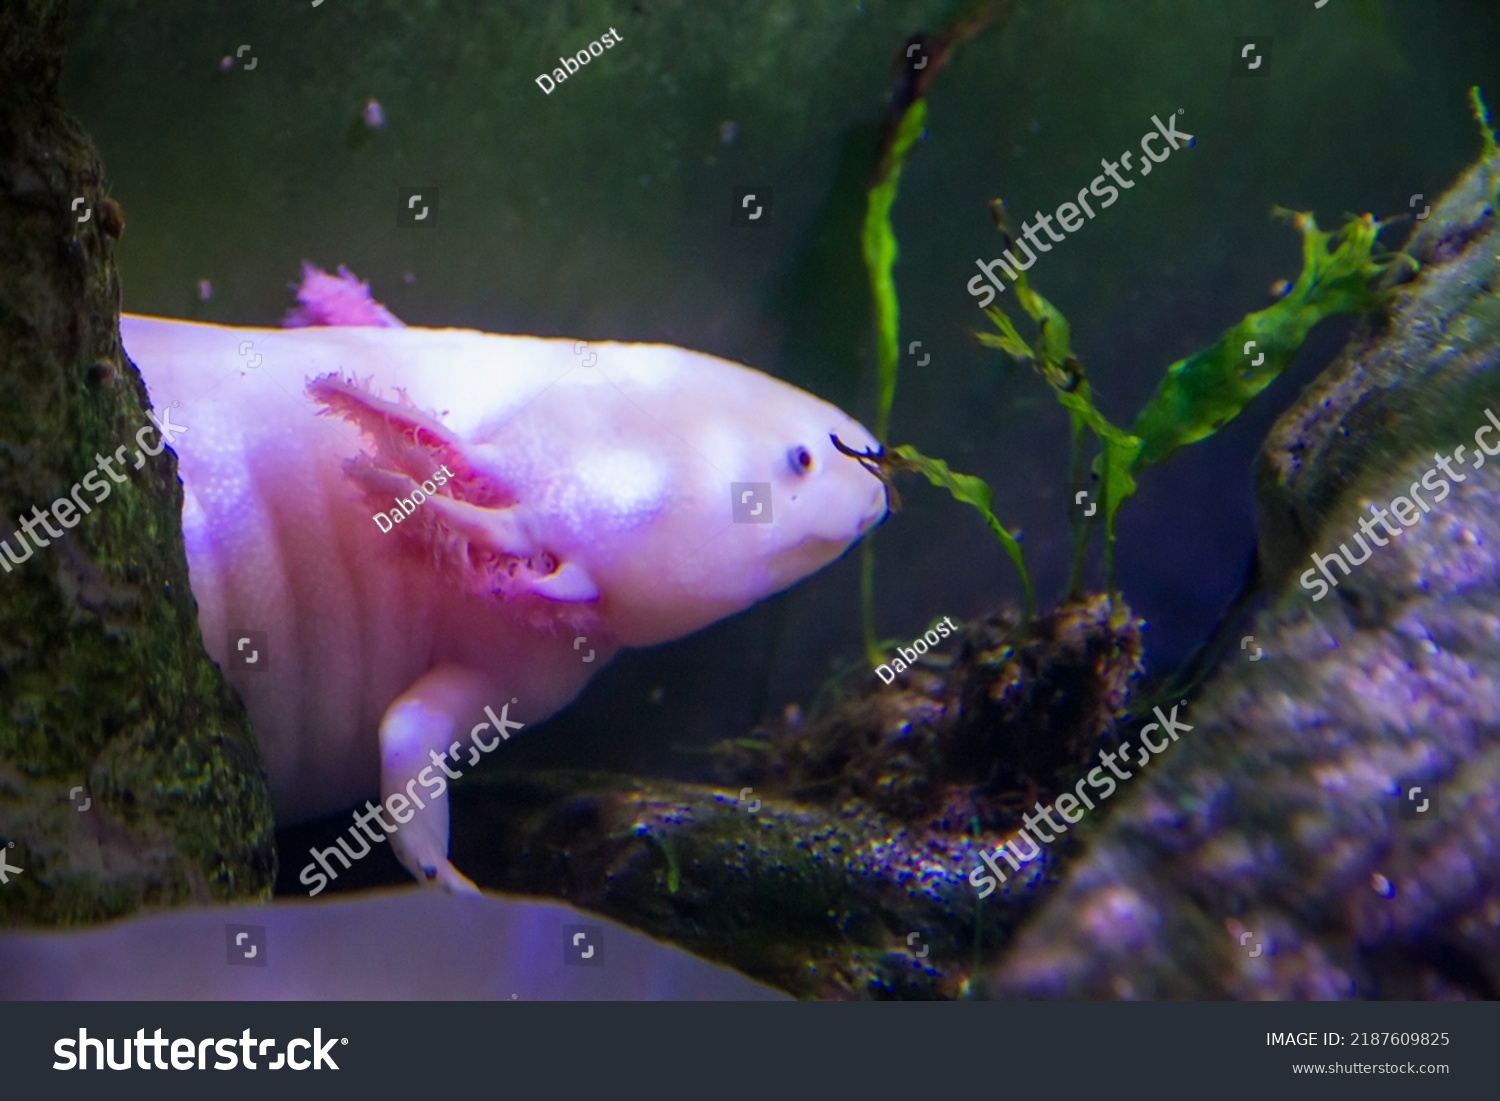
[(107, 699)]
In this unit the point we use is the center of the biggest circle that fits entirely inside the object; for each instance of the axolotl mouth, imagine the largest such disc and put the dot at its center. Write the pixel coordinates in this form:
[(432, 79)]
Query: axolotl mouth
[(841, 502), (877, 514)]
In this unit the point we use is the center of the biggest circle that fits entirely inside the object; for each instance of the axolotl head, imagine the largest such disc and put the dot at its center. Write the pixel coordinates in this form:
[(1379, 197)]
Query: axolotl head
[(649, 494), (701, 487)]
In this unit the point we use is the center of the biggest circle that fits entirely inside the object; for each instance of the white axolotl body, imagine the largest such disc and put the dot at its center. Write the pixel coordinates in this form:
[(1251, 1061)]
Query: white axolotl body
[(572, 493)]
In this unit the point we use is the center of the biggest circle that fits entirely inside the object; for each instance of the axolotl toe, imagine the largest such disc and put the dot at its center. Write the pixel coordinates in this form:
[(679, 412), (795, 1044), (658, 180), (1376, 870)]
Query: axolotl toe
[(425, 522)]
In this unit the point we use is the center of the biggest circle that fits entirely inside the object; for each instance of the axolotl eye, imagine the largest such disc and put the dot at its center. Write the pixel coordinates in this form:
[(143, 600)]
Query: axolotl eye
[(800, 460)]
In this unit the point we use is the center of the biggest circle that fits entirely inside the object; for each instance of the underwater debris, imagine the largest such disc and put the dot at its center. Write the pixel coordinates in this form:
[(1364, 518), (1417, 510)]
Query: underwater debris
[(1004, 713)]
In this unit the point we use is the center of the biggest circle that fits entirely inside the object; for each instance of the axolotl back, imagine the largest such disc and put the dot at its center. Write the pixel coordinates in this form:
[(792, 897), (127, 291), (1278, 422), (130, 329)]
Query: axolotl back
[(424, 523)]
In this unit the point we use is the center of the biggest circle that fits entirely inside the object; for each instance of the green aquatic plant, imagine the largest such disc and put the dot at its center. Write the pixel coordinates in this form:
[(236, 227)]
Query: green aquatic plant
[(975, 492), (1482, 117), (1198, 395), (905, 124), (1204, 392), (880, 259), (1052, 355), (880, 251)]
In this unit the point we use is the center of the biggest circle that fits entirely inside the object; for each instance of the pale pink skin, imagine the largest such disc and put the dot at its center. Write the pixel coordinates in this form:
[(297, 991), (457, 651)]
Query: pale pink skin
[(601, 474)]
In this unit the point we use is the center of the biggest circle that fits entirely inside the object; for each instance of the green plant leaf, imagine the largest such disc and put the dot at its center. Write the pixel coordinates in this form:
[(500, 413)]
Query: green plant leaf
[(1052, 354), (1204, 392), (880, 253), (971, 491), (1482, 116), (1009, 340), (1054, 336)]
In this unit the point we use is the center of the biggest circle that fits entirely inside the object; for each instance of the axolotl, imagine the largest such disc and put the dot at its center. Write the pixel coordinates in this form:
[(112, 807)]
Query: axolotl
[(595, 494)]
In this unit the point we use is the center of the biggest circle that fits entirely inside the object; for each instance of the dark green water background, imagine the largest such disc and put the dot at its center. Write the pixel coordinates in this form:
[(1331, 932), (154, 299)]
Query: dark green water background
[(603, 211)]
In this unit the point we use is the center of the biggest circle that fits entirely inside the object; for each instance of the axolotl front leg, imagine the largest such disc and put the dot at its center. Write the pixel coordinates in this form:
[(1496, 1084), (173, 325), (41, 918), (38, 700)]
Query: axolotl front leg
[(426, 741), (423, 747)]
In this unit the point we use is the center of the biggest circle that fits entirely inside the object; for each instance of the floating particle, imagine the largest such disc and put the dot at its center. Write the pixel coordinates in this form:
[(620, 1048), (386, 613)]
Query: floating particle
[(205, 290), (373, 115), (728, 131), (1280, 287), (226, 63), (1383, 886)]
